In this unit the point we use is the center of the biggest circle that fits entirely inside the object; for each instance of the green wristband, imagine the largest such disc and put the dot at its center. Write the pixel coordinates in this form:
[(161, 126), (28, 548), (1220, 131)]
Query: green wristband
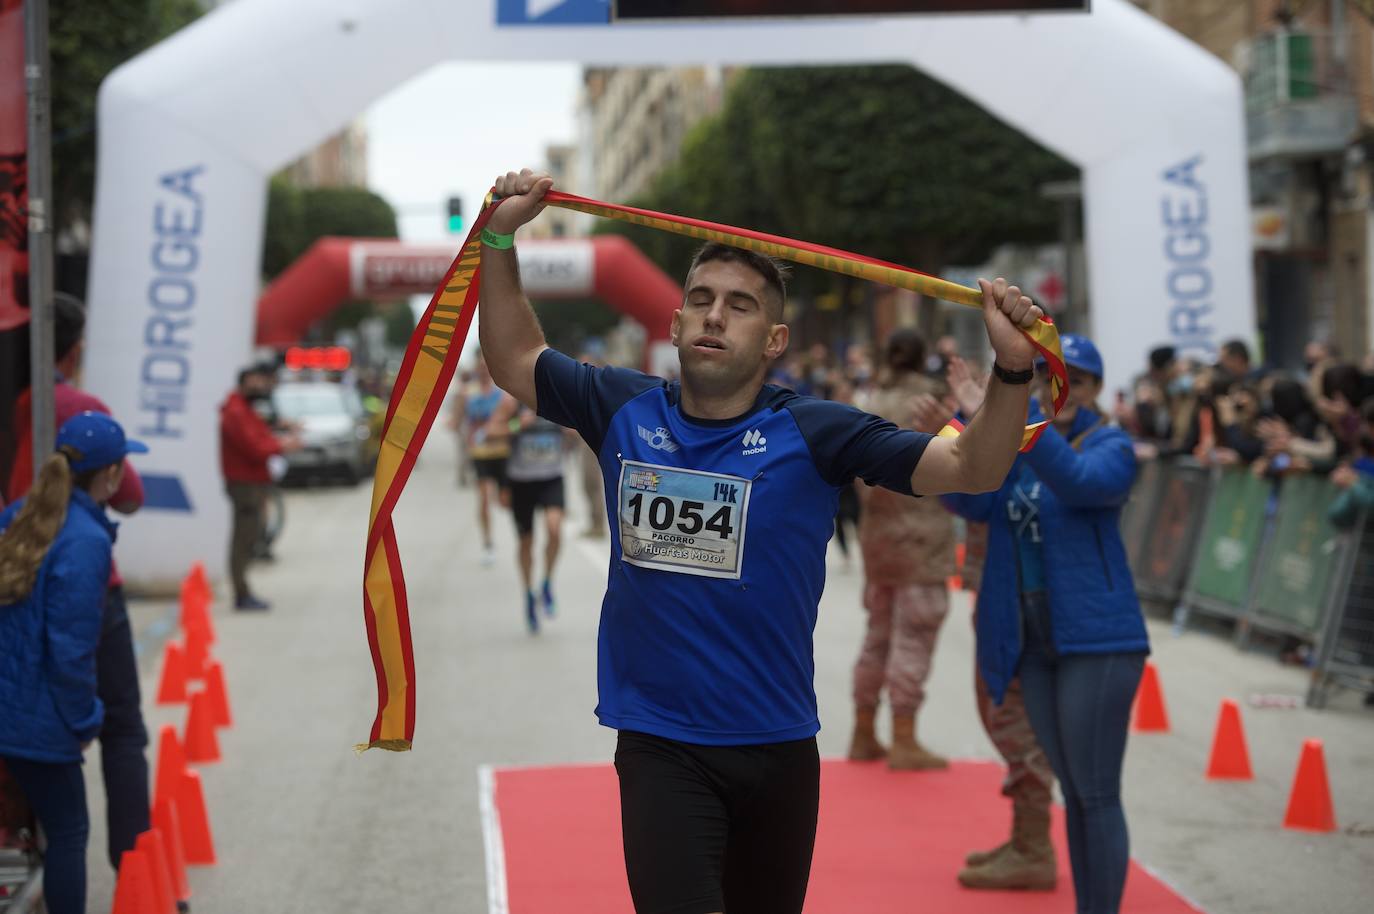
[(500, 242)]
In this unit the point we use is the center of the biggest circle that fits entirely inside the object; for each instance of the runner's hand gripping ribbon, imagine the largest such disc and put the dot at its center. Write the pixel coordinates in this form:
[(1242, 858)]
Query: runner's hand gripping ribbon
[(432, 357)]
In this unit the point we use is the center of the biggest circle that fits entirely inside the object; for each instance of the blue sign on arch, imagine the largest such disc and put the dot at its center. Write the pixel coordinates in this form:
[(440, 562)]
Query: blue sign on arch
[(164, 492), (553, 12)]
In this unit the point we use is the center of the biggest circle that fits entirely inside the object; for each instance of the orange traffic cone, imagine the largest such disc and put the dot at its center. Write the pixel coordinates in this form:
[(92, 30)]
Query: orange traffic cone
[(171, 762), (956, 580), (1309, 805), (1230, 758), (1150, 716), (197, 652), (195, 613), (195, 821), (199, 740), (172, 689), (200, 582), (167, 824), (219, 695), (135, 892), (150, 842)]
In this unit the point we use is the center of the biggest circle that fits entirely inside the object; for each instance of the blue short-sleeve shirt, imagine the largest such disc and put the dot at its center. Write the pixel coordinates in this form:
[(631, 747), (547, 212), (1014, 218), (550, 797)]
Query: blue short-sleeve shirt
[(719, 530)]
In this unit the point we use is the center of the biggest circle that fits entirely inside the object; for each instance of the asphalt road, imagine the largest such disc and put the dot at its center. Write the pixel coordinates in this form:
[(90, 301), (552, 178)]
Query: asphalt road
[(302, 824)]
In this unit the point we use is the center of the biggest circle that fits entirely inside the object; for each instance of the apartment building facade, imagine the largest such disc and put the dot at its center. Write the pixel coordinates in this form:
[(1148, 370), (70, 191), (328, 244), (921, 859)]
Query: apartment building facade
[(1308, 70)]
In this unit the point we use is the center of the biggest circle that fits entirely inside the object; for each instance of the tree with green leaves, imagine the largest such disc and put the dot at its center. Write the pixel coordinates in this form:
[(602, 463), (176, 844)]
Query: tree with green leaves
[(86, 40), (881, 160), (297, 217), (569, 323)]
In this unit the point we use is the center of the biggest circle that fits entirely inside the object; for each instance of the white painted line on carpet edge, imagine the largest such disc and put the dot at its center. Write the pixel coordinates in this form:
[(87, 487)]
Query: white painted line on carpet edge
[(492, 841)]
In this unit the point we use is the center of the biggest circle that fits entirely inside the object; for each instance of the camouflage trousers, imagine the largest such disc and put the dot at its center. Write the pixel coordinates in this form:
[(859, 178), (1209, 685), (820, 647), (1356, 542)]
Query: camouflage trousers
[(1029, 780), (903, 623)]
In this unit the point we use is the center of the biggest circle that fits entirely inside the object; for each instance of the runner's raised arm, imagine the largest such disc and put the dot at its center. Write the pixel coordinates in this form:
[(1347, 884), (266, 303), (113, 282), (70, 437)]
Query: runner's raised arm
[(508, 330), (978, 460)]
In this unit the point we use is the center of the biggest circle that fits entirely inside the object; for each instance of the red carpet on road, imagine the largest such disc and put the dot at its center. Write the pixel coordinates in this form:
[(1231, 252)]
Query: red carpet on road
[(888, 843)]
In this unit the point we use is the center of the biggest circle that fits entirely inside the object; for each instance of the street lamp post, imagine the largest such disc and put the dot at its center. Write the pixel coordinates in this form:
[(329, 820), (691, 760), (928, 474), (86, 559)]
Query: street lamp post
[(40, 231)]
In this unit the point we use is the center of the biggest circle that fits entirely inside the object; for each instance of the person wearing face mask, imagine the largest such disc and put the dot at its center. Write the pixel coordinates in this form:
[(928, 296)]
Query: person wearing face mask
[(1064, 617), (246, 443), (55, 557), (123, 735)]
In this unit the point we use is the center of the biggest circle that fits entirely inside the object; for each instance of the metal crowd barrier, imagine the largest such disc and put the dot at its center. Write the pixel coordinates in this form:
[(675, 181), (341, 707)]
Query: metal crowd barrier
[(1234, 535), (1345, 653), (1222, 542), (1174, 502), (1298, 579)]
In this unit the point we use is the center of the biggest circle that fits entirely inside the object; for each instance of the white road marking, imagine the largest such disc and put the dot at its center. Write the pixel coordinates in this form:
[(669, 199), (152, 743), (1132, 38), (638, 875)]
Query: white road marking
[(492, 841)]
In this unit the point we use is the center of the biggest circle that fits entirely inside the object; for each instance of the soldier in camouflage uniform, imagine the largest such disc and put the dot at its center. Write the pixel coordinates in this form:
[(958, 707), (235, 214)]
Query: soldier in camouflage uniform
[(908, 550), (1026, 860)]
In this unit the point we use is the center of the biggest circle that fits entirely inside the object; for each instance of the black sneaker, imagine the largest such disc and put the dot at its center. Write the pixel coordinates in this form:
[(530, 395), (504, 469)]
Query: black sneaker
[(252, 604)]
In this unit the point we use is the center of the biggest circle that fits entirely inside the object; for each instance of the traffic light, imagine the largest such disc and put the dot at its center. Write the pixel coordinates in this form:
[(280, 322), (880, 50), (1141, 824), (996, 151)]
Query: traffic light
[(455, 215)]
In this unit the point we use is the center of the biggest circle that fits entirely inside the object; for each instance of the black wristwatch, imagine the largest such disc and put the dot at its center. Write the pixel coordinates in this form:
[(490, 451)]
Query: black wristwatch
[(1012, 377)]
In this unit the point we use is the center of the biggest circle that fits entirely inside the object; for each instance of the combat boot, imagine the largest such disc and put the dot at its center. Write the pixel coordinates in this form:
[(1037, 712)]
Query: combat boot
[(907, 754), (864, 747), (978, 858), (1025, 862)]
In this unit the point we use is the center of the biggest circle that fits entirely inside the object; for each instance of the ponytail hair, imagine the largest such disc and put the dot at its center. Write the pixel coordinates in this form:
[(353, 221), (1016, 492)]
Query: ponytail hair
[(25, 544)]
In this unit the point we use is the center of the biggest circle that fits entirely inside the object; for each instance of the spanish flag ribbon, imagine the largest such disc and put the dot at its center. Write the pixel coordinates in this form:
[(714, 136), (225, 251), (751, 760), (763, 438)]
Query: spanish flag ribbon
[(427, 371)]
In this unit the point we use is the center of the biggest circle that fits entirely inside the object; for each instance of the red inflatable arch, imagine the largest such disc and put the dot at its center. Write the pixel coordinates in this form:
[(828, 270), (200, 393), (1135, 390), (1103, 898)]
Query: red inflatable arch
[(335, 270)]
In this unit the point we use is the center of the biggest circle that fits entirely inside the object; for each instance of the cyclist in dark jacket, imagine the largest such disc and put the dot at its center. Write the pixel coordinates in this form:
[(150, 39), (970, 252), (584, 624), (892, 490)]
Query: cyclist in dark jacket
[(55, 553), (1058, 608)]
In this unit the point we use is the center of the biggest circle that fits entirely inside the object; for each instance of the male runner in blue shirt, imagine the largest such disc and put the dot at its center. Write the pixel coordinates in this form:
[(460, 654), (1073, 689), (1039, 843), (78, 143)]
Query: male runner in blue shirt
[(721, 492)]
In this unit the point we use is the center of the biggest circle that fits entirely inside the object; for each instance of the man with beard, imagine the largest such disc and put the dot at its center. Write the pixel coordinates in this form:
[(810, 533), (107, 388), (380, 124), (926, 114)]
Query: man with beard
[(722, 493)]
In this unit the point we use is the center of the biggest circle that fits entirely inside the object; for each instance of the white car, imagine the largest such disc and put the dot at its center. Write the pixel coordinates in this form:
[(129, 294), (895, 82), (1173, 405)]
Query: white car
[(333, 425)]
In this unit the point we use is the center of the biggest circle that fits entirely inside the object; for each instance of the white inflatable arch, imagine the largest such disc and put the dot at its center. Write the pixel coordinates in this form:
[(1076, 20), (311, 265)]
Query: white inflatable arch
[(191, 130)]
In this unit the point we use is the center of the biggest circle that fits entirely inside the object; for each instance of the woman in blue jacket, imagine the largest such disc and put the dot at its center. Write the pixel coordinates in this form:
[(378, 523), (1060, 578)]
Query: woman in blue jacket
[(1058, 608), (55, 550)]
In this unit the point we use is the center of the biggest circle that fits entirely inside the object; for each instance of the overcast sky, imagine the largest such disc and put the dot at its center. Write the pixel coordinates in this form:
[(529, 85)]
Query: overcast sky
[(420, 151), (423, 147)]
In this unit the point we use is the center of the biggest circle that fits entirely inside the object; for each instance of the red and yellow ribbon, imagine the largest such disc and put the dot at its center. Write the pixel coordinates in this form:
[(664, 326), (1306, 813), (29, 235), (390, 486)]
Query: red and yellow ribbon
[(427, 370)]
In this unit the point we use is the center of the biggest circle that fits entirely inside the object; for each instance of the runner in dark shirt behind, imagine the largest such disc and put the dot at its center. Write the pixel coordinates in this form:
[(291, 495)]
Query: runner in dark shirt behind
[(534, 482)]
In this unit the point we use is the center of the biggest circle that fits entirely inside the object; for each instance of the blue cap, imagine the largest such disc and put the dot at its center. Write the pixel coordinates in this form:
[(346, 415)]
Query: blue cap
[(1079, 352), (97, 440)]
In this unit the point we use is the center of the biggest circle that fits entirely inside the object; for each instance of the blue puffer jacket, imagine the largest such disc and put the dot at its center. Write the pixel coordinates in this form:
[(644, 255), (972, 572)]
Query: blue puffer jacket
[(48, 641), (1091, 593)]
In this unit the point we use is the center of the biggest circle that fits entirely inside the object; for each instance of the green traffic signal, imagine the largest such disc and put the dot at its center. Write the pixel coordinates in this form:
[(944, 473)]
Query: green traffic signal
[(455, 214)]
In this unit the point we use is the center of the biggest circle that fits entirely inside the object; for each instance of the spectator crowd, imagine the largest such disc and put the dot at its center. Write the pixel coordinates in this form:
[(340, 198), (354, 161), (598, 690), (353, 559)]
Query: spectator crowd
[(1231, 411), (1236, 413)]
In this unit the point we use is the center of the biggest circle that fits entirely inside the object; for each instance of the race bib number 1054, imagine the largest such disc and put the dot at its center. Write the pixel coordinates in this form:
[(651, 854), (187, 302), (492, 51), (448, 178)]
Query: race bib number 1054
[(685, 521)]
